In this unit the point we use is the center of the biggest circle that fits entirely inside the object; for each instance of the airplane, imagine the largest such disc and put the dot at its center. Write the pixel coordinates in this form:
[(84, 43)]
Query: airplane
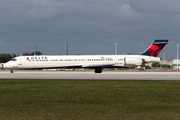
[(97, 62)]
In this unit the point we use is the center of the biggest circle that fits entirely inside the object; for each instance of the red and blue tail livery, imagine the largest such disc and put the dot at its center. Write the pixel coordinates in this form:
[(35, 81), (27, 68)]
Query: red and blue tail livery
[(155, 48)]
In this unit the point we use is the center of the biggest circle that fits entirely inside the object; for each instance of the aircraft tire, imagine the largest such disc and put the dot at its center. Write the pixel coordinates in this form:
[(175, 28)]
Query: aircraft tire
[(98, 71)]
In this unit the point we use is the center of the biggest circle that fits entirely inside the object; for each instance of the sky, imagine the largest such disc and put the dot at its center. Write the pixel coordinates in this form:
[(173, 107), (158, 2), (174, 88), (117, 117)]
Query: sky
[(95, 25)]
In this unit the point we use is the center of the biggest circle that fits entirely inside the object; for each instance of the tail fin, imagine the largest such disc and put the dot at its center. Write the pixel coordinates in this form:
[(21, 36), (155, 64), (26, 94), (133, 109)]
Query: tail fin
[(155, 48)]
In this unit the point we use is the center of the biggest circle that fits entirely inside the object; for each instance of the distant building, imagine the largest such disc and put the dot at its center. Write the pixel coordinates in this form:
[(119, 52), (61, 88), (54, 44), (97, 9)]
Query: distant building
[(166, 62), (175, 61)]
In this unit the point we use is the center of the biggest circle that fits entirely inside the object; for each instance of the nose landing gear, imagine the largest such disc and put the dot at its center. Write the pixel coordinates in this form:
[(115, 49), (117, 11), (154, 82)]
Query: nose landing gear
[(2, 66), (11, 70)]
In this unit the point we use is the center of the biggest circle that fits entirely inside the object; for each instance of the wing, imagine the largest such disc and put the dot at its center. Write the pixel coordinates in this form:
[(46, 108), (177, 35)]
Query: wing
[(96, 65)]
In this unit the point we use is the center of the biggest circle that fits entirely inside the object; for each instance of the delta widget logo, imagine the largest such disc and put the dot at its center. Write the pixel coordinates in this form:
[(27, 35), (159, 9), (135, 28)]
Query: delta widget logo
[(36, 58)]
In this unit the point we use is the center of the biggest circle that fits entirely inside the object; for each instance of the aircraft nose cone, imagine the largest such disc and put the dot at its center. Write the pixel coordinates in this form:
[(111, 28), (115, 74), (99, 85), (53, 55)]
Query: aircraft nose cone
[(6, 65)]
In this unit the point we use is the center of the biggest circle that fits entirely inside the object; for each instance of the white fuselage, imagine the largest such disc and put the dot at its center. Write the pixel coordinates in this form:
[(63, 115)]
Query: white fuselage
[(78, 61)]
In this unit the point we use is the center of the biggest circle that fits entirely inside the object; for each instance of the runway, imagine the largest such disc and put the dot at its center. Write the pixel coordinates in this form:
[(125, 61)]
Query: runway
[(89, 75)]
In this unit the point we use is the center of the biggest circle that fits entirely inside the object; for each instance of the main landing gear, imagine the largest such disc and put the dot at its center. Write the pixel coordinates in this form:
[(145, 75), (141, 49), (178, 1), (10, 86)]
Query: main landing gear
[(98, 71)]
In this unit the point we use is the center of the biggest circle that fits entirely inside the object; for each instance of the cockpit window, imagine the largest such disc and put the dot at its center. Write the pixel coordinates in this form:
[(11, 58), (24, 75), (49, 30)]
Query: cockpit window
[(14, 59)]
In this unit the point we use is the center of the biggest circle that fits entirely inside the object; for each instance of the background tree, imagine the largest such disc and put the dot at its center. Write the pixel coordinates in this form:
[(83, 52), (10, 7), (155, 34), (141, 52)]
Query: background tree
[(156, 65), (161, 65), (6, 57), (32, 53)]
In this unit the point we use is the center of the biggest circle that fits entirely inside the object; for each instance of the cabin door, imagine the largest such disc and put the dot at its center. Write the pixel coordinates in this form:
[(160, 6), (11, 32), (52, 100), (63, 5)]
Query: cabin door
[(19, 61)]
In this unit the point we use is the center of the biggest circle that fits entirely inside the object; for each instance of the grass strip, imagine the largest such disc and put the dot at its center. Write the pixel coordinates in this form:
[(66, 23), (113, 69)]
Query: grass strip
[(52, 99)]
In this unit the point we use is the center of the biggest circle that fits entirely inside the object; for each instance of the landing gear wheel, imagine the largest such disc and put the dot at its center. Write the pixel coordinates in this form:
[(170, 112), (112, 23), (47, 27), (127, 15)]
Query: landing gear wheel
[(98, 71)]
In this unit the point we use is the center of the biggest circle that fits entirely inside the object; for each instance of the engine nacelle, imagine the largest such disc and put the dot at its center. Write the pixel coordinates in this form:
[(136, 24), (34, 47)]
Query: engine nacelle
[(131, 62)]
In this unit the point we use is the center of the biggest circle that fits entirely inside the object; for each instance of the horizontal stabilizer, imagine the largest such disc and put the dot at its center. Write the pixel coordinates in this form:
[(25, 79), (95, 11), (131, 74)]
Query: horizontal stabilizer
[(160, 42)]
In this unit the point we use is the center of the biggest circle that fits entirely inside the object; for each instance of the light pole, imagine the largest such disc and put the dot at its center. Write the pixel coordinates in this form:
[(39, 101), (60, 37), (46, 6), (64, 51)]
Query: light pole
[(36, 49), (163, 58), (77, 49), (115, 48), (177, 56), (66, 48)]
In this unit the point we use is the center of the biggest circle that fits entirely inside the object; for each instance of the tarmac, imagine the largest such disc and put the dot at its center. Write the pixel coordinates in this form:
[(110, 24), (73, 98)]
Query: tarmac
[(90, 75)]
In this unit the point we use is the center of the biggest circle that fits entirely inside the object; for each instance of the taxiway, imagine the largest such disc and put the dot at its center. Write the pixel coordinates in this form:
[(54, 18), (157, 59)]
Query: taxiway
[(89, 75)]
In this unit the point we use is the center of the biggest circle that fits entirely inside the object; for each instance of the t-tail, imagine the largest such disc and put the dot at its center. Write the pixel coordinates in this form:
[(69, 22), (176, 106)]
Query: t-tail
[(155, 48)]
